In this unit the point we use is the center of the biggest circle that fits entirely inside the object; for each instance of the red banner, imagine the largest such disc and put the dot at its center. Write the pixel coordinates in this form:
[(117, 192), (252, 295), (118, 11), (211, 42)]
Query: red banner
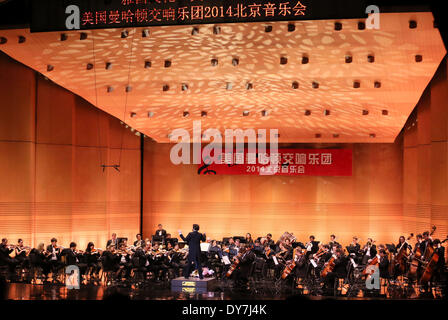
[(287, 162)]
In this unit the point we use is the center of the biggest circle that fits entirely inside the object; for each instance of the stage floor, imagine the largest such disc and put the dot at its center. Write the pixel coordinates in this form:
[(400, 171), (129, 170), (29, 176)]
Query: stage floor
[(154, 291)]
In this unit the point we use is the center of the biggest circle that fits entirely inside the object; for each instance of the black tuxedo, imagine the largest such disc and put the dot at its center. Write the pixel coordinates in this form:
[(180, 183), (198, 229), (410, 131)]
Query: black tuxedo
[(194, 251), (160, 233)]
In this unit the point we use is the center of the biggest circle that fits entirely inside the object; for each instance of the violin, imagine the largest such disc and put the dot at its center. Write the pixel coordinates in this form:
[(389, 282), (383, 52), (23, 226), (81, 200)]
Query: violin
[(373, 262)]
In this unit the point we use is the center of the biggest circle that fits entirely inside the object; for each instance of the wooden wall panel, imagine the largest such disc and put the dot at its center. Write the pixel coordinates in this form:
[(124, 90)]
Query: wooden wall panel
[(52, 184)]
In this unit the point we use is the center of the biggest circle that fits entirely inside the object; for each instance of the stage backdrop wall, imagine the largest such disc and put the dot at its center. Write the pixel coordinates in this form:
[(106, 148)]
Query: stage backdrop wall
[(369, 203), (52, 144)]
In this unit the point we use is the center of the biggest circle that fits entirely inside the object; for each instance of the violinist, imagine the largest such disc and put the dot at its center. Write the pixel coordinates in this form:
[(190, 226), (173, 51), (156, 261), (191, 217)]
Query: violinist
[(92, 256), (113, 241), (124, 263), (157, 262), (38, 259), (5, 258), (22, 254), (54, 257), (312, 246), (139, 243)]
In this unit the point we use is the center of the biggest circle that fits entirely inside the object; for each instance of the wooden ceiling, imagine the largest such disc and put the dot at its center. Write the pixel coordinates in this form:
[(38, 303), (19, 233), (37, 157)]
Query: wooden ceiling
[(335, 111)]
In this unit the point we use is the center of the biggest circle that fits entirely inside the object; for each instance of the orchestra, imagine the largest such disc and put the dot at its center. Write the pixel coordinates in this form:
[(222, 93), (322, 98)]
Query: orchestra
[(421, 263)]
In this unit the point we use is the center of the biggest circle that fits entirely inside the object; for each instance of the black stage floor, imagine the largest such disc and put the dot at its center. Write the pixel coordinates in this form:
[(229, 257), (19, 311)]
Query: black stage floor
[(23, 291)]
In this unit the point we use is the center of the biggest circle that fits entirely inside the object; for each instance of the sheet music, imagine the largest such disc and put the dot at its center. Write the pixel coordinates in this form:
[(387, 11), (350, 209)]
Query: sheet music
[(225, 260), (275, 260)]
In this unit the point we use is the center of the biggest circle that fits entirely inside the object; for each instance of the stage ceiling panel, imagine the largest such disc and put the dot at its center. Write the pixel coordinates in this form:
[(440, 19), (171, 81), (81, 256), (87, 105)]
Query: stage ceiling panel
[(174, 57)]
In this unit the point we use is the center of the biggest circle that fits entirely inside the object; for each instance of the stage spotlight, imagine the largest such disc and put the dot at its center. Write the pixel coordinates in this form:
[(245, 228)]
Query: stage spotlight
[(128, 88), (165, 87), (348, 59), (372, 135), (418, 58), (337, 26), (110, 89), (318, 135), (50, 68), (145, 33), (64, 37), (216, 30), (291, 27), (133, 114), (264, 113), (229, 86), (283, 60), (377, 85), (22, 39), (295, 85), (186, 114), (82, 36), (267, 28), (305, 60), (184, 87), (371, 58), (315, 85), (385, 112), (365, 112), (203, 114), (327, 112), (167, 63), (195, 31), (356, 84), (235, 62), (124, 34), (147, 64), (307, 112), (412, 24), (361, 25), (214, 62), (150, 114), (245, 113), (108, 65), (89, 66), (249, 86)]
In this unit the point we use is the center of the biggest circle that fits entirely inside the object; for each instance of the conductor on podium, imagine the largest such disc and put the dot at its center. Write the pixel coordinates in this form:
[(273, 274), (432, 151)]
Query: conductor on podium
[(193, 240)]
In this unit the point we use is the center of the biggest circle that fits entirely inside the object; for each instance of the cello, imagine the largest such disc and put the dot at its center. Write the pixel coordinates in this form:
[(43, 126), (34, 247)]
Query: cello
[(328, 268), (373, 262), (401, 256), (431, 265)]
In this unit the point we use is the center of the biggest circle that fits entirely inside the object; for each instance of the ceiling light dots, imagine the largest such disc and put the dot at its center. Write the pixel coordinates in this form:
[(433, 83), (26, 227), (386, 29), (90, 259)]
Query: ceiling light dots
[(335, 135), (295, 85), (318, 135), (372, 135), (365, 112), (337, 26)]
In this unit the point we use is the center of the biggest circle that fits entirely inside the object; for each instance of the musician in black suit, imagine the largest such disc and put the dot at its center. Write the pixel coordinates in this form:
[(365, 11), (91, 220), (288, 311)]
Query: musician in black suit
[(339, 271), (241, 274), (160, 232), (312, 246), (333, 241), (194, 250), (5, 258), (113, 241)]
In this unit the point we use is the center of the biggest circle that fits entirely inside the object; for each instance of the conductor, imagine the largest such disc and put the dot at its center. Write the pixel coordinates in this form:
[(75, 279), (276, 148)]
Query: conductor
[(194, 250)]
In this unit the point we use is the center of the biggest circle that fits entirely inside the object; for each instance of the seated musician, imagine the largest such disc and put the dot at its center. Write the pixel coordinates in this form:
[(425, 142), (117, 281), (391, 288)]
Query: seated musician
[(38, 260), (241, 273), (233, 250), (139, 243), (249, 239), (439, 249), (333, 241), (269, 241), (301, 264), (339, 271), (237, 245), (258, 248), (324, 256), (124, 263), (92, 260), (383, 264), (22, 254), (113, 241), (110, 259), (54, 257), (369, 251), (74, 257), (5, 258), (178, 259), (159, 234), (157, 263), (214, 257)]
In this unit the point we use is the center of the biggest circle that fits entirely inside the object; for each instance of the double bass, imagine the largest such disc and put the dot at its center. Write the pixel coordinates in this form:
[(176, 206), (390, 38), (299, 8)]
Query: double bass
[(401, 256)]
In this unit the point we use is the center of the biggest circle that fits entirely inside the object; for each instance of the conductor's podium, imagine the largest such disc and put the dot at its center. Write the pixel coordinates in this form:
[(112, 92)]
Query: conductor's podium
[(193, 285)]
